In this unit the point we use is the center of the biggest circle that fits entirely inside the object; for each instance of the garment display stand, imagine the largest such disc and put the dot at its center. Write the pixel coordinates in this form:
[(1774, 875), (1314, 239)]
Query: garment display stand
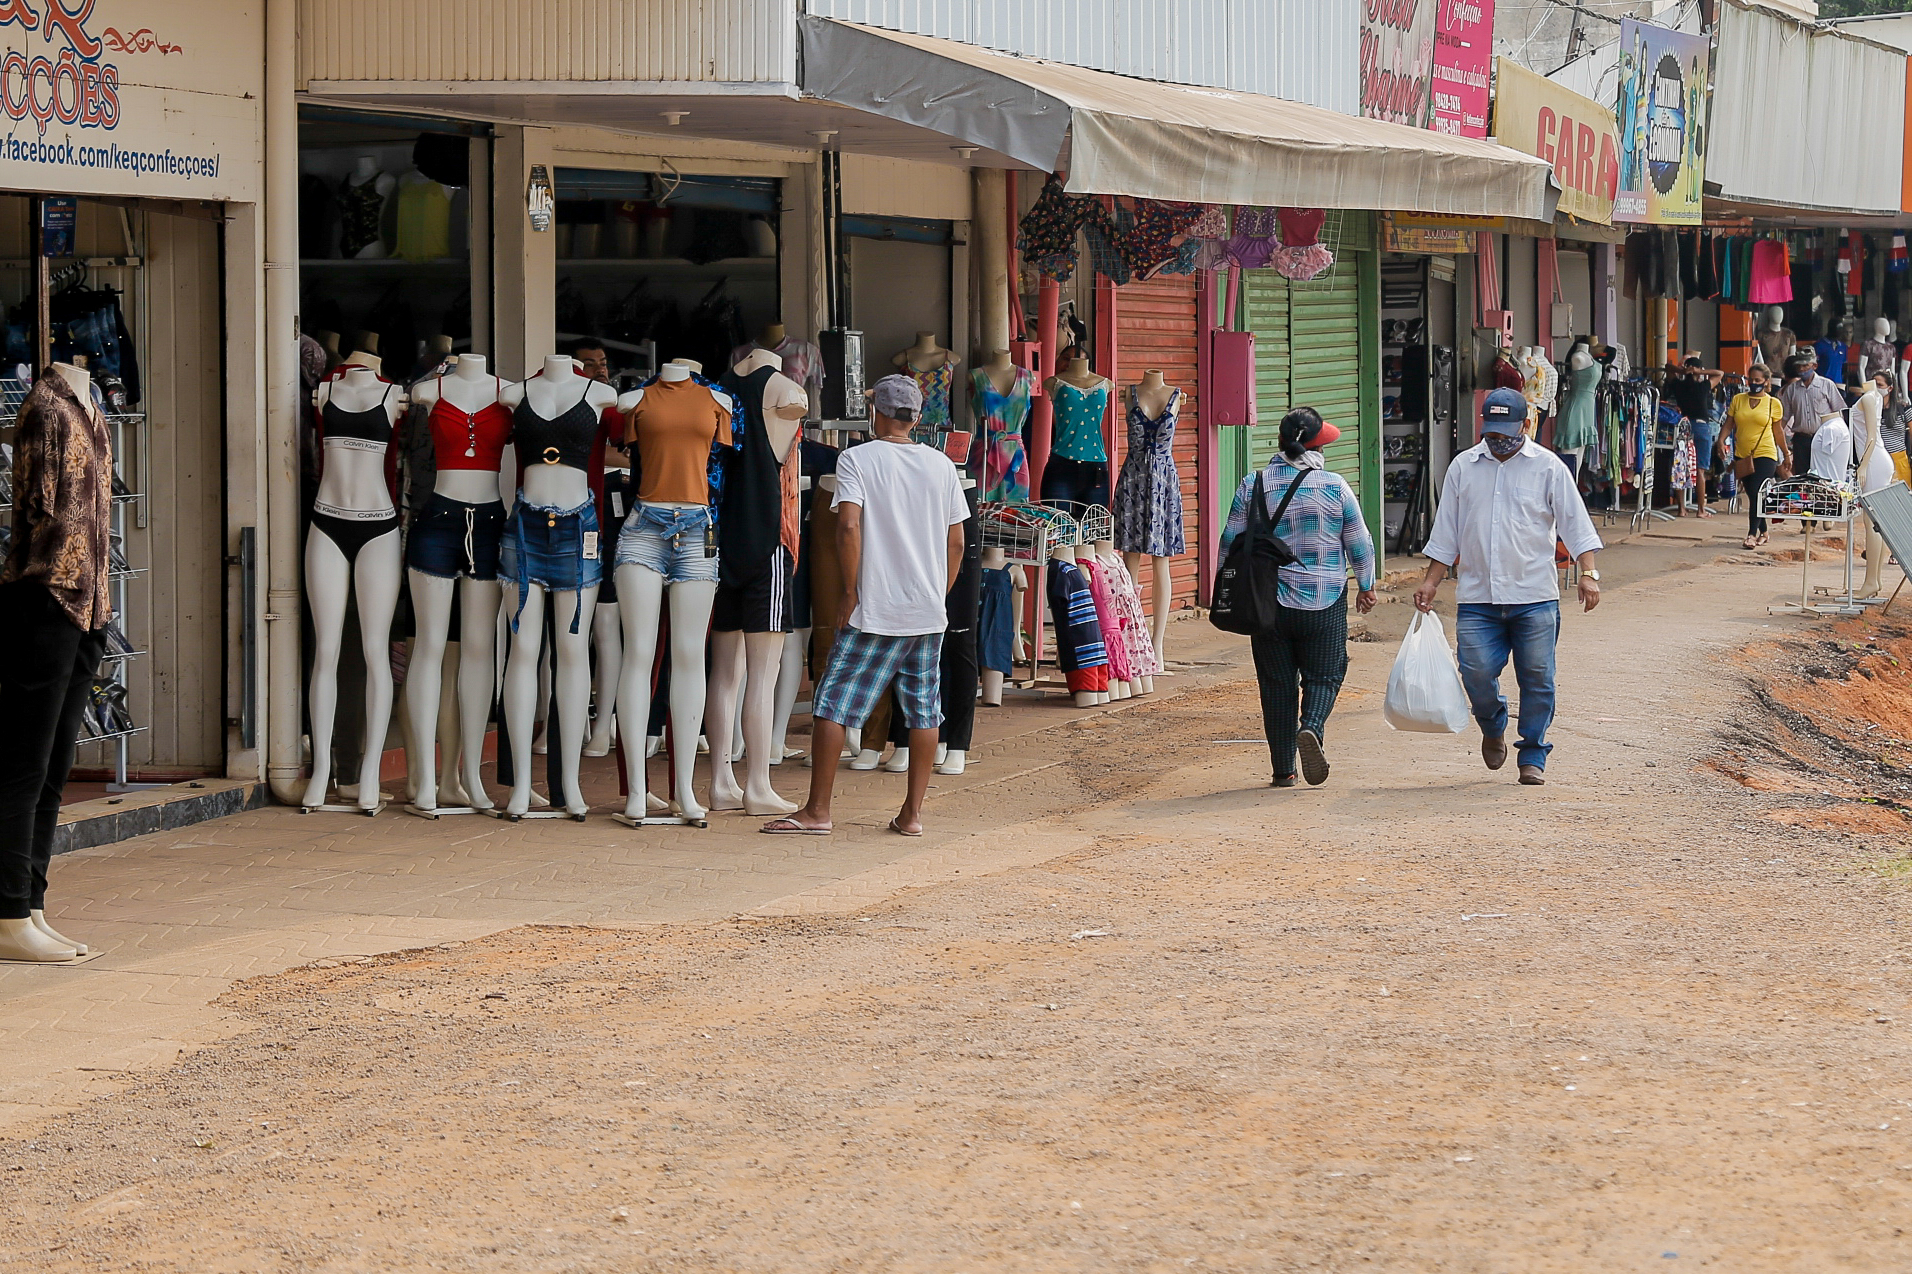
[(1813, 500), (1027, 533), (116, 666), (1668, 440)]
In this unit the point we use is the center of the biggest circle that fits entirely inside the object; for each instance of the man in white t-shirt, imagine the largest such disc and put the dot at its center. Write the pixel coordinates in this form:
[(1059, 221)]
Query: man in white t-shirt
[(900, 514)]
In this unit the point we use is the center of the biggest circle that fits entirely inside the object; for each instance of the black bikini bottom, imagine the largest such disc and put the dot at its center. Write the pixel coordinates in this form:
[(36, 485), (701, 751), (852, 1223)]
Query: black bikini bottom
[(352, 533)]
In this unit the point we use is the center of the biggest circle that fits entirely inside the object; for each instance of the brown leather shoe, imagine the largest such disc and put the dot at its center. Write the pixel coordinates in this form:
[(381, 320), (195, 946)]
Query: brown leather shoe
[(1533, 775), (1494, 751)]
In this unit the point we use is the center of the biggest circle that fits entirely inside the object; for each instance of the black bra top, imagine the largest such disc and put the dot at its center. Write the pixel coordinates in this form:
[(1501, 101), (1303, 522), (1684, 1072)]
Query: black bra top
[(566, 440), (374, 424)]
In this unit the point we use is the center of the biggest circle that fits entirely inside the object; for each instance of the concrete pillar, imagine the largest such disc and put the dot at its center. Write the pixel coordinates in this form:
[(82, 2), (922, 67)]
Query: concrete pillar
[(991, 236), (525, 261)]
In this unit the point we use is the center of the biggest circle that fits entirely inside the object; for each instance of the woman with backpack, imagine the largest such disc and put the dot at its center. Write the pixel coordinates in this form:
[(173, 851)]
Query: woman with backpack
[(1301, 658)]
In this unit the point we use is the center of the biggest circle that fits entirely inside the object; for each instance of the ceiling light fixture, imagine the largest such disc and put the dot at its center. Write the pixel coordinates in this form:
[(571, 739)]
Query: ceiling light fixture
[(965, 151)]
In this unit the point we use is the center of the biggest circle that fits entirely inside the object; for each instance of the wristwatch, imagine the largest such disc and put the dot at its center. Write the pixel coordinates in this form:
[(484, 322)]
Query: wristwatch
[(1592, 575)]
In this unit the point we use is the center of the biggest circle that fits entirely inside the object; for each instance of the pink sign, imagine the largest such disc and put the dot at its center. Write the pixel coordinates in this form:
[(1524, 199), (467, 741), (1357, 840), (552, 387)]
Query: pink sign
[(1463, 51)]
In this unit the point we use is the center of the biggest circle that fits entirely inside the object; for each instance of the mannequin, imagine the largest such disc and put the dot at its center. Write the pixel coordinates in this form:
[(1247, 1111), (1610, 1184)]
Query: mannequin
[(1874, 470), (999, 622), (802, 361), (668, 544), (57, 605), (1126, 604), (365, 353), (1574, 432), (1776, 341), (1541, 382), (550, 555), (1149, 524), (352, 549), (1000, 399), (1088, 682), (1077, 470), (1880, 355), (934, 369), (607, 628), (752, 616), (362, 199), (453, 549), (1101, 553)]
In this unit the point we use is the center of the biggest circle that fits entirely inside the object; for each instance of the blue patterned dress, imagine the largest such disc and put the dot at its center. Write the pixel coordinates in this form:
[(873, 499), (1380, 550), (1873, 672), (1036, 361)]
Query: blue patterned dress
[(1148, 494)]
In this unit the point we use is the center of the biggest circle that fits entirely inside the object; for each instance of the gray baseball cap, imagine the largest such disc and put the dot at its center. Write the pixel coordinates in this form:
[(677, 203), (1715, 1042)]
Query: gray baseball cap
[(898, 397)]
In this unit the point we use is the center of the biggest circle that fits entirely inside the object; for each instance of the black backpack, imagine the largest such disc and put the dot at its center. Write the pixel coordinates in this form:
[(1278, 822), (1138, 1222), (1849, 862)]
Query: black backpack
[(1243, 600)]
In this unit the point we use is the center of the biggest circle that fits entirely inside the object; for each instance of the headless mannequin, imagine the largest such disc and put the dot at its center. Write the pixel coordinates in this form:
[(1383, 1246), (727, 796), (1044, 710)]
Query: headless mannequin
[(1103, 550), (1152, 395), (31, 937), (1076, 372), (1083, 698), (1001, 371), (926, 355), (366, 169), (995, 560), (1776, 341), (771, 337), (640, 599), (354, 479), (1867, 444), (329, 342), (470, 388), (563, 487), (751, 662)]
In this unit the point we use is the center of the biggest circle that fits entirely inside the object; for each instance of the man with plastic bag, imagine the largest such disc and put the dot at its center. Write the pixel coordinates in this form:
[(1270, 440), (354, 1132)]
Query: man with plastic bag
[(1505, 502)]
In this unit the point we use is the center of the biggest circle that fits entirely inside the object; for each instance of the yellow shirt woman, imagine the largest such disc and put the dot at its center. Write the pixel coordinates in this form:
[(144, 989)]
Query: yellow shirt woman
[(1753, 421)]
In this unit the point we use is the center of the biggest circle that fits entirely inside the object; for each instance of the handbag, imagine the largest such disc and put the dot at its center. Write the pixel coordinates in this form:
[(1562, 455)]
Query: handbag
[(1244, 600)]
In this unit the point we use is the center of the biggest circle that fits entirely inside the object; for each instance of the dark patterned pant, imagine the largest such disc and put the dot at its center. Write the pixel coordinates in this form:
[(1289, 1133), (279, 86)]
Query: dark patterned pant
[(1300, 667)]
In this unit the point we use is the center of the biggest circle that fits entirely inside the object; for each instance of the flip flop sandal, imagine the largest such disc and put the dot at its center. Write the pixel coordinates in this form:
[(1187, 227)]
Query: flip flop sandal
[(897, 827), (1750, 542), (791, 827)]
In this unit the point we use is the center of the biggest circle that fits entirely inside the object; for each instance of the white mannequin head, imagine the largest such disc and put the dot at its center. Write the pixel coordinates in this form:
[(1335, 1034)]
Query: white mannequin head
[(365, 169), (1882, 329), (1775, 317)]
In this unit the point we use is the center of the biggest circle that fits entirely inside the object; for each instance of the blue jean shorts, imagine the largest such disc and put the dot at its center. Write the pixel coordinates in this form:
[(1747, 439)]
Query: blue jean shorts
[(450, 538), (670, 542), (546, 546)]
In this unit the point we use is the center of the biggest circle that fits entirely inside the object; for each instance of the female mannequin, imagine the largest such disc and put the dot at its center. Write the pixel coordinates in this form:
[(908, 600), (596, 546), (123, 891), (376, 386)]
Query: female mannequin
[(802, 361), (551, 553), (1079, 649), (999, 636), (607, 629), (1879, 354), (1077, 471), (669, 542), (1874, 470), (362, 209), (1776, 341), (353, 549), (934, 369), (751, 614), (1575, 431), (457, 536), (1148, 495), (999, 394)]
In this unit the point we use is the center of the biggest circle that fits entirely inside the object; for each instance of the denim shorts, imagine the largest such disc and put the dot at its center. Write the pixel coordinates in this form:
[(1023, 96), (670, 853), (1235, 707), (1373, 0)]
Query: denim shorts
[(450, 538), (546, 546), (668, 541)]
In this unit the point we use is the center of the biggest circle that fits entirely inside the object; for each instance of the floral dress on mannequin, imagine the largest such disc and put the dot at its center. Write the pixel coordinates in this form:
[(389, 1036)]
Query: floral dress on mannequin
[(1148, 493), (1005, 464)]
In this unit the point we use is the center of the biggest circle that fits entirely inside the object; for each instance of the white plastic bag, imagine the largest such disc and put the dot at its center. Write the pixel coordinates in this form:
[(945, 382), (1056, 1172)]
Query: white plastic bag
[(1424, 690)]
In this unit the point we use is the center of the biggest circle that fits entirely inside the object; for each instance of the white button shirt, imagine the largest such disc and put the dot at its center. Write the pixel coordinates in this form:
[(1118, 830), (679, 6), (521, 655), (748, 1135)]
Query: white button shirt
[(1497, 523)]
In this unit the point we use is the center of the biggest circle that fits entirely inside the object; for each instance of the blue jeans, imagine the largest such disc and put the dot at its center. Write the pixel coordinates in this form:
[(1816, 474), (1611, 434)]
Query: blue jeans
[(1485, 636)]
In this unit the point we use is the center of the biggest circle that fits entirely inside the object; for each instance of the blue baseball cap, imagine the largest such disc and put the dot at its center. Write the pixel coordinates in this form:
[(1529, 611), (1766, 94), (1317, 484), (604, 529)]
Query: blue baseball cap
[(1504, 412)]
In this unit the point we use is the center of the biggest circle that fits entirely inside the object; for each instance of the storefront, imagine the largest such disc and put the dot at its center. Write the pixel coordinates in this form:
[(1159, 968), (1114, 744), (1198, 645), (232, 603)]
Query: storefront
[(129, 184)]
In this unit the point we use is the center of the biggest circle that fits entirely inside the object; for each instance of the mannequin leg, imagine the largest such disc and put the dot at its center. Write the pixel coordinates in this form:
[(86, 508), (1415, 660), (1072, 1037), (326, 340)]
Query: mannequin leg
[(327, 578), (432, 599), (720, 716), (789, 683), (376, 577), (521, 690), (477, 658), (543, 744), (763, 653), (1159, 603), (572, 676), (607, 636), (640, 603), (451, 734), (1875, 555), (690, 629)]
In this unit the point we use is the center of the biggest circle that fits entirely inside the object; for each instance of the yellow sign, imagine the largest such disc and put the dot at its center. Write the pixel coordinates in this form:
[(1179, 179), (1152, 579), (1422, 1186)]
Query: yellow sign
[(1575, 134), (1399, 237)]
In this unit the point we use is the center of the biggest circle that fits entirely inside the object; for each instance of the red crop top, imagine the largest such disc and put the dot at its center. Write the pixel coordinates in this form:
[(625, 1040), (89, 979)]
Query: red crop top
[(469, 441)]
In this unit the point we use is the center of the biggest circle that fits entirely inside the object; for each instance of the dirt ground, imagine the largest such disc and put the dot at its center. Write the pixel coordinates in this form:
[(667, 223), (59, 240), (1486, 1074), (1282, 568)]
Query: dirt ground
[(1651, 1016)]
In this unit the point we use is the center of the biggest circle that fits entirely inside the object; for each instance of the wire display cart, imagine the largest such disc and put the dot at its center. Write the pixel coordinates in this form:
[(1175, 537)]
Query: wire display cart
[(1813, 500), (1028, 535)]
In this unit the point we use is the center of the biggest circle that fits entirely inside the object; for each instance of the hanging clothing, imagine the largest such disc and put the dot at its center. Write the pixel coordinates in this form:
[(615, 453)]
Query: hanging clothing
[(1771, 274), (996, 623), (1002, 416), (361, 214), (1253, 244), (1106, 617), (1148, 491), (1134, 624), (1079, 649), (423, 230)]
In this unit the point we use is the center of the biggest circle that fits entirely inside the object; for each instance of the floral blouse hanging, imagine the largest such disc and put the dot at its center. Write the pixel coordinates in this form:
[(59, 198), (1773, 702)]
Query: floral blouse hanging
[(1301, 256)]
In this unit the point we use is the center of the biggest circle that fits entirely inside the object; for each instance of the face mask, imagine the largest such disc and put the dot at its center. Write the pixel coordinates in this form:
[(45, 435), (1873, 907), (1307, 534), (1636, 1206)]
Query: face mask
[(1505, 445), (1755, 390)]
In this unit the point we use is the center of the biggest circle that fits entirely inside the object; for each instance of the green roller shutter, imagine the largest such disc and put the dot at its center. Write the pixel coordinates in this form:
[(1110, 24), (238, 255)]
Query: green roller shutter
[(1317, 344)]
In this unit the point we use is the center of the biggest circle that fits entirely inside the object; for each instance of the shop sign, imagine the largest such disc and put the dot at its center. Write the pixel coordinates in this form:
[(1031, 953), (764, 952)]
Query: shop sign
[(1463, 52), (1664, 86), (1449, 221), (59, 220), (1434, 240), (1575, 134), (132, 97), (1397, 60)]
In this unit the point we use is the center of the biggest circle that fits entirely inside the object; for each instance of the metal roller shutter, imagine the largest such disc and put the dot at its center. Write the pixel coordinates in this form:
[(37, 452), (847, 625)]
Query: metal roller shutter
[(1156, 328)]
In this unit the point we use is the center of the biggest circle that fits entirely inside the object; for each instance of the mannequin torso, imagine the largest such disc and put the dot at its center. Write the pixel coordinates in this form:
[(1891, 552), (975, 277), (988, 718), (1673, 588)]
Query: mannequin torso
[(470, 389), (357, 413), (553, 396)]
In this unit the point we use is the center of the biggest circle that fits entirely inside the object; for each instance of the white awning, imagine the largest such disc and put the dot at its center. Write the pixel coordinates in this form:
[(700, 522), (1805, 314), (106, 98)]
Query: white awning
[(1123, 136)]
